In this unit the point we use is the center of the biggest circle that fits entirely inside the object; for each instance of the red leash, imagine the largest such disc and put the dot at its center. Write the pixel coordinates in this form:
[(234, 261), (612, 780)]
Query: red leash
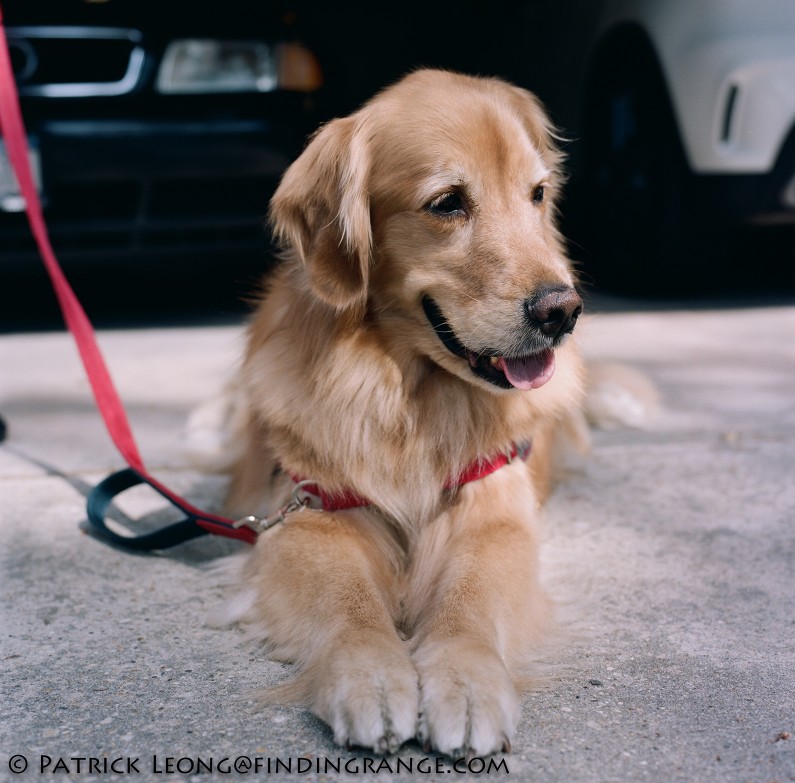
[(107, 399)]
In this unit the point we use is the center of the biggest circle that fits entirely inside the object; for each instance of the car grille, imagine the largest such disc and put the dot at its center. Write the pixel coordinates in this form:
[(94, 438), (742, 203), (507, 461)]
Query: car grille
[(69, 62)]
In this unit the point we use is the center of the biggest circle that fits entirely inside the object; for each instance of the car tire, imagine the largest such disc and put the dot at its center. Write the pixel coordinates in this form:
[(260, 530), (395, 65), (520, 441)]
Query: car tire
[(644, 223)]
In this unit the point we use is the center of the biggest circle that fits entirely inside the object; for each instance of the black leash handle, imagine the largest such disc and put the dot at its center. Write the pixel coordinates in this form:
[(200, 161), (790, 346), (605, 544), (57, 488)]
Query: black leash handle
[(101, 497)]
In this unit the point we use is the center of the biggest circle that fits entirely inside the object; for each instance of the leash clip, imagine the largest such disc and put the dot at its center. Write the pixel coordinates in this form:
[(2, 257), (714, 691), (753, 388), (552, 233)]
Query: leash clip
[(299, 500), (521, 451)]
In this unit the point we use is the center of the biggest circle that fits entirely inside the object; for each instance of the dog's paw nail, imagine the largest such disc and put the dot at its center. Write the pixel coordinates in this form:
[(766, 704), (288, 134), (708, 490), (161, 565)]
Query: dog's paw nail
[(423, 735), (506, 745), (348, 745), (389, 743), (394, 743)]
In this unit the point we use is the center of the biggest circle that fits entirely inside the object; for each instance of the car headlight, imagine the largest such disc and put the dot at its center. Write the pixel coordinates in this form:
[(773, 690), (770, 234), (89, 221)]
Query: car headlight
[(196, 65)]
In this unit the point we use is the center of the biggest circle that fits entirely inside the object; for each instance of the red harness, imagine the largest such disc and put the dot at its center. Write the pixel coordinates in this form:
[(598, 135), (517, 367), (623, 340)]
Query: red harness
[(309, 494), (477, 470), (197, 522)]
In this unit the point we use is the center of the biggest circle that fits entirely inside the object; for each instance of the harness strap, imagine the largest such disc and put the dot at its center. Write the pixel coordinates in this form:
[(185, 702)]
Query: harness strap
[(484, 467), (477, 470)]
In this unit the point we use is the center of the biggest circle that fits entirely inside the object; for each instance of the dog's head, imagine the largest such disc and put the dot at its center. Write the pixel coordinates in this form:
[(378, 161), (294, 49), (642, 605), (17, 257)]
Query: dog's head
[(433, 207)]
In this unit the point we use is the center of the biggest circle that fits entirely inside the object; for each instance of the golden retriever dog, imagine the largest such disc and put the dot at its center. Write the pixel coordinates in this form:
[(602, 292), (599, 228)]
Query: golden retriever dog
[(412, 343)]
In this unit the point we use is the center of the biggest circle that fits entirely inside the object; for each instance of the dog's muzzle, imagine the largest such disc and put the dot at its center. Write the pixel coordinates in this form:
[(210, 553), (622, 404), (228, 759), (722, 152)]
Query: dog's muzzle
[(550, 314)]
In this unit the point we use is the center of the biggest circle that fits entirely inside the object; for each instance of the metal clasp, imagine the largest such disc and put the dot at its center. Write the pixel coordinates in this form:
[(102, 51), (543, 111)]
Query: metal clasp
[(299, 500), (523, 449)]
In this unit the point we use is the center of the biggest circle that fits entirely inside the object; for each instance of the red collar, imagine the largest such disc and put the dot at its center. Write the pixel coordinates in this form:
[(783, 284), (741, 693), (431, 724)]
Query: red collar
[(475, 471)]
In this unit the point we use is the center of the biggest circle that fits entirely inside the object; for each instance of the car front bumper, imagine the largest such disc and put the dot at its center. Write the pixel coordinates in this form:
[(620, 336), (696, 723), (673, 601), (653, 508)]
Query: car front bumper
[(146, 187)]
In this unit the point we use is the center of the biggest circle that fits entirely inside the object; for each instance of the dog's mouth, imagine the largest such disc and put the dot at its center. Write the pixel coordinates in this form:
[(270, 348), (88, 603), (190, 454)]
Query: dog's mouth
[(525, 372)]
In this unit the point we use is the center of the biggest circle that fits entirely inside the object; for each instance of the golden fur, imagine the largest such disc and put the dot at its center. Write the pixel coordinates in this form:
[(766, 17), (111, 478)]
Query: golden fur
[(419, 615)]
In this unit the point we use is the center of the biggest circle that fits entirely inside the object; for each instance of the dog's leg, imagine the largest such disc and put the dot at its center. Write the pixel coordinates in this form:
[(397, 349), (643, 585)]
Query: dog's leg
[(476, 608), (324, 583), (258, 486)]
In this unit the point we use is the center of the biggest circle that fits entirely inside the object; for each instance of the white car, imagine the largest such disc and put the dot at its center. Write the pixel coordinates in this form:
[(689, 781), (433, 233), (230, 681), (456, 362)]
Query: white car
[(683, 118)]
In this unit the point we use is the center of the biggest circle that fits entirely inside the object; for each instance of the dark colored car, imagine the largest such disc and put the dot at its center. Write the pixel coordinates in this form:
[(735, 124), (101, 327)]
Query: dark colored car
[(157, 137)]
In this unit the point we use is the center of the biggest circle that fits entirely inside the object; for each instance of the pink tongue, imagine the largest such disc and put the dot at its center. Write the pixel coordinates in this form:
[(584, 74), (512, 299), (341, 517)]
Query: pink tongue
[(529, 372)]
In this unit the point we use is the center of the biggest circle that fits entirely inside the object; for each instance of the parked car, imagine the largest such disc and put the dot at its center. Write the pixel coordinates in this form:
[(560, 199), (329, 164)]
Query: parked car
[(157, 135), (160, 129)]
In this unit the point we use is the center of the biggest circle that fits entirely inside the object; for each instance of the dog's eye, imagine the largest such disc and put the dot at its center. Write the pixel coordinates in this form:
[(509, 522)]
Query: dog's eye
[(448, 205), (537, 194)]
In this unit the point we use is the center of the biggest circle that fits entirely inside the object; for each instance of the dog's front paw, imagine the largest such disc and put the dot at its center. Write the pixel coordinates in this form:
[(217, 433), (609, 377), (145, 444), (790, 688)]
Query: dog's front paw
[(366, 689), (468, 704)]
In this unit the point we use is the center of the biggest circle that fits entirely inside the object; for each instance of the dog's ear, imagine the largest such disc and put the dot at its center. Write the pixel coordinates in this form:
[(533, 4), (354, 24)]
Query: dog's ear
[(546, 139), (321, 209), (538, 126)]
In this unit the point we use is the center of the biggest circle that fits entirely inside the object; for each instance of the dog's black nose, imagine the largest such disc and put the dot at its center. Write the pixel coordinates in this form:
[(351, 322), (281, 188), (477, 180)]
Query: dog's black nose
[(554, 310)]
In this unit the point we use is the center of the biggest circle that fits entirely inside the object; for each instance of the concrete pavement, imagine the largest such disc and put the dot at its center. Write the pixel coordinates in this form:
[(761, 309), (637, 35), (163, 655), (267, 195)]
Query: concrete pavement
[(674, 547)]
